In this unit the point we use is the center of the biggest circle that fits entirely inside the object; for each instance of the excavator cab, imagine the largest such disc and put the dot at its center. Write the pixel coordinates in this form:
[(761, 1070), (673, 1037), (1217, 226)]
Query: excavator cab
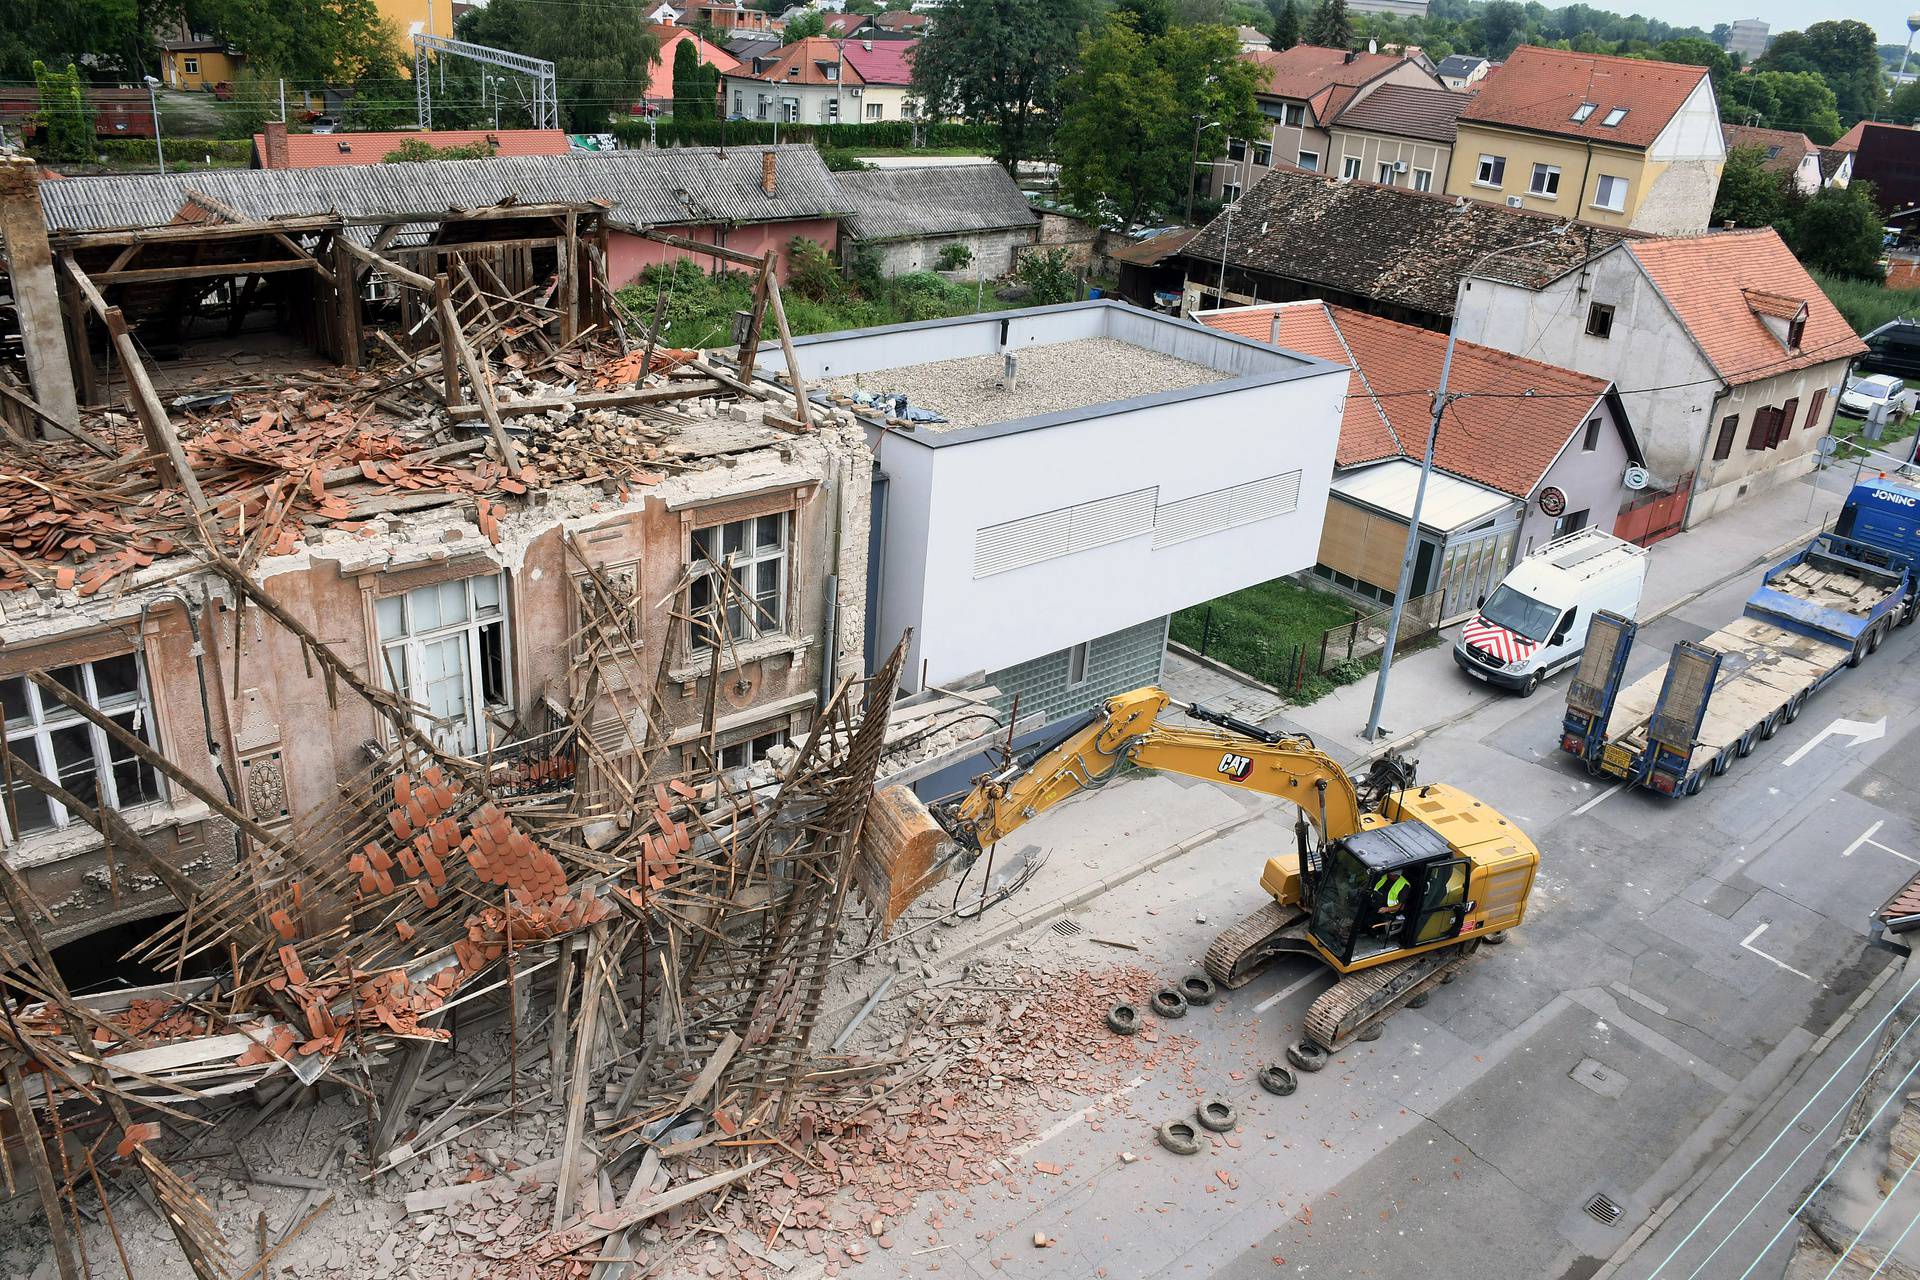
[(1394, 888)]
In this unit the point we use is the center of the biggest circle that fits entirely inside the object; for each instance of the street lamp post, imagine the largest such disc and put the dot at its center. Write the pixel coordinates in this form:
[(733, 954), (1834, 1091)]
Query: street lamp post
[(153, 104), (1441, 399), (1913, 25)]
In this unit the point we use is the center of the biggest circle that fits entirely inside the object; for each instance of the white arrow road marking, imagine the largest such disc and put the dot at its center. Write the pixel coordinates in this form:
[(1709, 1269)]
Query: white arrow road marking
[(1597, 799), (1867, 837), (1747, 943), (1286, 991), (1859, 730)]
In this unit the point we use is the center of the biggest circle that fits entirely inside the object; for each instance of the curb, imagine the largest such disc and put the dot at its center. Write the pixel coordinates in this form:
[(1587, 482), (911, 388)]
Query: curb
[(1221, 668)]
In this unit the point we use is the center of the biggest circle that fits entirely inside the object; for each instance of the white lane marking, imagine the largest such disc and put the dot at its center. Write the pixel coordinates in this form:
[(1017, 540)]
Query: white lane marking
[(1858, 730), (1284, 992), (1597, 799), (1747, 944), (1867, 837), (1067, 1122)]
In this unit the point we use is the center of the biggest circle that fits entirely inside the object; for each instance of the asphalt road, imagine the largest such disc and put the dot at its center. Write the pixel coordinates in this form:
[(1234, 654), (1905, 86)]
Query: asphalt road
[(1679, 964)]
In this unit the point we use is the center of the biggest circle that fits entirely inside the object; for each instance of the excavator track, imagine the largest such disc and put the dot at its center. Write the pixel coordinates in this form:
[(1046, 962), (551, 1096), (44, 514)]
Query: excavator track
[(1242, 951), (1351, 1004)]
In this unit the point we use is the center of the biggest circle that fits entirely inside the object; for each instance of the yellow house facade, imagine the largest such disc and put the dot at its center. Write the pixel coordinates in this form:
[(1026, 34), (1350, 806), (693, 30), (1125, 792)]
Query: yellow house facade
[(198, 64), (1615, 141), (434, 16)]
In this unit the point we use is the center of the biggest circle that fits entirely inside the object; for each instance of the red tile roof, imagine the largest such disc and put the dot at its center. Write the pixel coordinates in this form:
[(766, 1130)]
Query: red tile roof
[(806, 57), (1709, 282), (319, 150), (883, 62), (660, 83), (1540, 89), (1784, 148), (838, 24), (900, 21), (1325, 78), (1501, 438)]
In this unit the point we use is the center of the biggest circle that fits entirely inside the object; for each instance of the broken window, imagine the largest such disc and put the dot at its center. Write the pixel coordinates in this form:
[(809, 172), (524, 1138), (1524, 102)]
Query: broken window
[(74, 753), (1493, 171), (1546, 180), (444, 647), (740, 572), (752, 750), (1599, 320)]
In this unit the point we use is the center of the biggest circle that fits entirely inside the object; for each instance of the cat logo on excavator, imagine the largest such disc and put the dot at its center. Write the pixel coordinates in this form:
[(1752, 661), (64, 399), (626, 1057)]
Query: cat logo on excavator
[(1236, 767)]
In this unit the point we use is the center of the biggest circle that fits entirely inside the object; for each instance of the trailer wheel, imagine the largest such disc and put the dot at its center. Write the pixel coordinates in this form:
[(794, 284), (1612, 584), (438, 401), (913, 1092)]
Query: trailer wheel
[(1747, 742), (1696, 782), (1794, 704), (1859, 654), (1909, 610), (1722, 762), (1771, 725)]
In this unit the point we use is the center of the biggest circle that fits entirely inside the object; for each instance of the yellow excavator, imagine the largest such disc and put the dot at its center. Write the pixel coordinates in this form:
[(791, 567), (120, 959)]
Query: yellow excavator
[(1395, 886)]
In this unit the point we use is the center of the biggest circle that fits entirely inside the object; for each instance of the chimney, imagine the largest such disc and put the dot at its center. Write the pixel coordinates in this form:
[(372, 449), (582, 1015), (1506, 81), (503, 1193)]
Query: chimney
[(1274, 337), (766, 171), (276, 157), (1351, 55)]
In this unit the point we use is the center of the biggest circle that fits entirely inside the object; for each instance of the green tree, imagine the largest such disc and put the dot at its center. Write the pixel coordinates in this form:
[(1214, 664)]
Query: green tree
[(696, 85), (415, 150), (802, 25), (1203, 13), (1126, 137), (1692, 51), (1150, 18), (1330, 26), (1904, 106), (1001, 63), (1797, 100), (1751, 195), (602, 52), (1502, 24), (111, 35), (66, 123), (1838, 231), (1286, 24), (315, 42), (1842, 53)]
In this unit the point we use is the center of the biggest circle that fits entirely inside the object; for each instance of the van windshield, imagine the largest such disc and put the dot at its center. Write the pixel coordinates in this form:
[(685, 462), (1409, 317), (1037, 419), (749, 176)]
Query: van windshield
[(1522, 615)]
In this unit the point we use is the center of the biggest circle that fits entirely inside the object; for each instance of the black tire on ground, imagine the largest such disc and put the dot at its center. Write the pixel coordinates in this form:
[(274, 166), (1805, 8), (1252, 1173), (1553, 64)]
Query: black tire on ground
[(1721, 763), (1420, 1001), (1124, 1018), (1217, 1114), (1275, 1078), (1794, 704), (1179, 1137), (1909, 610), (1371, 1032), (1169, 1003), (1198, 989), (1695, 782), (1748, 741), (1307, 1056), (1875, 636), (1859, 654), (1496, 938), (1533, 682), (1771, 725)]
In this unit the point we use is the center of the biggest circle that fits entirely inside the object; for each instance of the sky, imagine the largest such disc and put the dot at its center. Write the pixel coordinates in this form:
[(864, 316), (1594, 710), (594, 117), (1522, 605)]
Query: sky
[(1890, 20)]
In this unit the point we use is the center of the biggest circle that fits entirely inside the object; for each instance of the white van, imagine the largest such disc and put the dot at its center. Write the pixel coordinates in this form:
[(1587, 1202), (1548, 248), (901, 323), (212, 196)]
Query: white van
[(1535, 622)]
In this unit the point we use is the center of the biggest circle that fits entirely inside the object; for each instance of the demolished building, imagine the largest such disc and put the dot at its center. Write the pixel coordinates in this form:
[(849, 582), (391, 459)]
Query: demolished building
[(389, 623)]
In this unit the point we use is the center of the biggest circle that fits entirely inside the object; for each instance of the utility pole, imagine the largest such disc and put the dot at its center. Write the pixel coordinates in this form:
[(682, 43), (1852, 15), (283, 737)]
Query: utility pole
[(1441, 398), (283, 99), (153, 103)]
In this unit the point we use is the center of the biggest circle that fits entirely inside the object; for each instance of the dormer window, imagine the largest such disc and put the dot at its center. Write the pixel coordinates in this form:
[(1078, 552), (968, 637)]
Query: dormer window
[(1585, 109), (1796, 330), (1613, 117), (829, 70), (1773, 153)]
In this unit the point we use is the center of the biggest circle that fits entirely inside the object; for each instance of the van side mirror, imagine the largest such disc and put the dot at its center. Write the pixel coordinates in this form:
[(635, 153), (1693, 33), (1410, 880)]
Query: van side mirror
[(1481, 603)]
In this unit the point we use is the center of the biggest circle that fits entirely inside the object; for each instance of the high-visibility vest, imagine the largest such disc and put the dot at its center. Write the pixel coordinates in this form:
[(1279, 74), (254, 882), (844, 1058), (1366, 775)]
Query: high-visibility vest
[(1394, 890)]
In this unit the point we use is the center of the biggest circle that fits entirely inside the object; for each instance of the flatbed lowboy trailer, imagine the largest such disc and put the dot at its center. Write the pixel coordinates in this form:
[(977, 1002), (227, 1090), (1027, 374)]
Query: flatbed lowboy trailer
[(1820, 611)]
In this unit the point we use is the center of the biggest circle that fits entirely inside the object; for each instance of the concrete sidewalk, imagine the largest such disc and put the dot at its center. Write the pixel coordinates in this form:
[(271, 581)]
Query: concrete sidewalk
[(1426, 690)]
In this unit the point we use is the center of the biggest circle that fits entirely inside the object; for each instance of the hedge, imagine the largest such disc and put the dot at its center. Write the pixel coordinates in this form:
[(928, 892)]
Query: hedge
[(885, 133), (228, 150)]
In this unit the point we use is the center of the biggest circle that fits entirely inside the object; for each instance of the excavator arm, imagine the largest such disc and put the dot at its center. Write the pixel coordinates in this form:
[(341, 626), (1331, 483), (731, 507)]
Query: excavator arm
[(1127, 730)]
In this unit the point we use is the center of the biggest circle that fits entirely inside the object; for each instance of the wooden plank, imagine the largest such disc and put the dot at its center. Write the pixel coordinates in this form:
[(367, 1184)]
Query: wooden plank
[(77, 432), (200, 270), (579, 1075), (449, 354), (793, 362), (600, 1225), (591, 400), (450, 326), (709, 1074), (697, 247), (388, 265), (194, 232), (53, 1210)]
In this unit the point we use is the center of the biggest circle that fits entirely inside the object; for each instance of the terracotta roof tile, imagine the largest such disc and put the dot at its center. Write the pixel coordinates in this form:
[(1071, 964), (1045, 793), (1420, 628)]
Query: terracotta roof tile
[(1540, 90), (1503, 439), (1784, 148), (1306, 71), (888, 62), (1708, 281), (1408, 111), (800, 63)]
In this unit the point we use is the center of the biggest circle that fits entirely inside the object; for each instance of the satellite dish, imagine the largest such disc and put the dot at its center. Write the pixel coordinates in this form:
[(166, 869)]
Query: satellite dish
[(1636, 478)]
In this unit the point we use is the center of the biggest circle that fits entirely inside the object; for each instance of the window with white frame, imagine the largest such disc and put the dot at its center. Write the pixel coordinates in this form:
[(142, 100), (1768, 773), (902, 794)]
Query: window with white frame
[(1385, 175), (190, 65), (1310, 161), (874, 109), (1294, 114), (1236, 149), (833, 111), (739, 573), (1229, 191), (1077, 663), (1546, 180), (1350, 167), (1263, 154), (751, 750), (1423, 179), (444, 648), (1610, 193), (1493, 171), (73, 752), (1612, 119)]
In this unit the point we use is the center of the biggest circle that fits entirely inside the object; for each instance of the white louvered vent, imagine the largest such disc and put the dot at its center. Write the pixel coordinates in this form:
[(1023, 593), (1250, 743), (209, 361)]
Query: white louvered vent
[(1013, 544), (1228, 508)]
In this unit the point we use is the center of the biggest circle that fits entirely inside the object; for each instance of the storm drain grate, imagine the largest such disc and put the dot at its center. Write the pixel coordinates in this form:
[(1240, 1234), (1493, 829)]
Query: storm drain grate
[(1066, 928), (1603, 1210)]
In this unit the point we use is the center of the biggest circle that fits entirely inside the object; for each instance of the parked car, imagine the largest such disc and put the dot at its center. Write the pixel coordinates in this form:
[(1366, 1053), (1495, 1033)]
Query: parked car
[(1893, 348), (1535, 622), (1864, 394)]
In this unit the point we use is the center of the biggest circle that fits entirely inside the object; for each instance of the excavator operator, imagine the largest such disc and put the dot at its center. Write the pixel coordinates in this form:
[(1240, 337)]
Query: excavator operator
[(1388, 891)]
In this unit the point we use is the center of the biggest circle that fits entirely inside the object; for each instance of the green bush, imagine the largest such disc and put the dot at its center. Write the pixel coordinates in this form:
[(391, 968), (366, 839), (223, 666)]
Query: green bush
[(744, 133), (1048, 277), (954, 256), (810, 272), (1866, 305), (224, 151)]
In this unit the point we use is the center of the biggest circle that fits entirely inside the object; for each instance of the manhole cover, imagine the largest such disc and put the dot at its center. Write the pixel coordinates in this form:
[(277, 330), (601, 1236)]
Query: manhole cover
[(1600, 1078), (1066, 928), (1603, 1210)]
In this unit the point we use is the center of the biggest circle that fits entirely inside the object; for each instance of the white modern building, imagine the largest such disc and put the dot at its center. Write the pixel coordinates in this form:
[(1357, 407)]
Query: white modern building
[(1096, 468)]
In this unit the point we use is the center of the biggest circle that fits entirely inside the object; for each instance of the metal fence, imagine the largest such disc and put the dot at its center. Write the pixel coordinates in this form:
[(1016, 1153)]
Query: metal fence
[(1362, 638)]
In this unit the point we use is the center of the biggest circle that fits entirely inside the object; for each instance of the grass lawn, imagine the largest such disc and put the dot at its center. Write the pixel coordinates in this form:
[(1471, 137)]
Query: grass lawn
[(1258, 629), (1868, 306), (1847, 432)]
